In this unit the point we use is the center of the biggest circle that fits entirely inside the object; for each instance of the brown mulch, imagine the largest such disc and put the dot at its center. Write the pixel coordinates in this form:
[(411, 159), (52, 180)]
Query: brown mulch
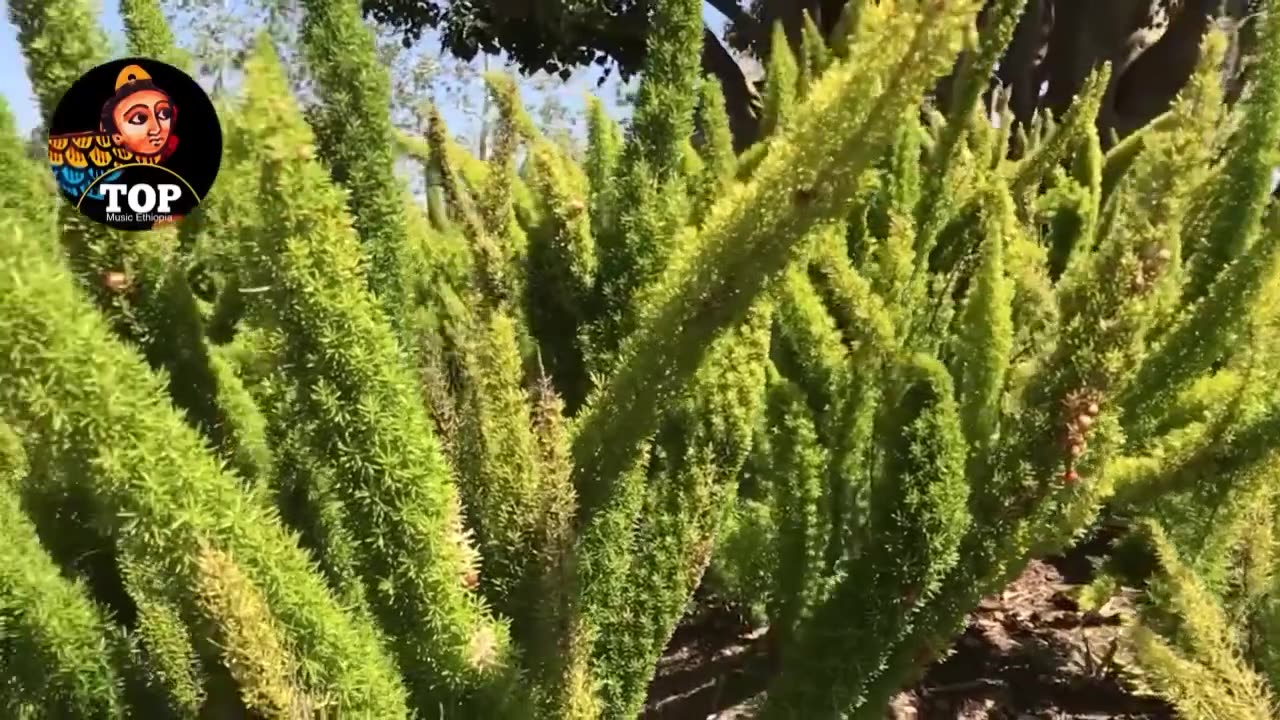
[(716, 665), (1028, 653)]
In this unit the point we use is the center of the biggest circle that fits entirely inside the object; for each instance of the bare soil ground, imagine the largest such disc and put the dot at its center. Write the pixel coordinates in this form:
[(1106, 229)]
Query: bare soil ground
[(1028, 653)]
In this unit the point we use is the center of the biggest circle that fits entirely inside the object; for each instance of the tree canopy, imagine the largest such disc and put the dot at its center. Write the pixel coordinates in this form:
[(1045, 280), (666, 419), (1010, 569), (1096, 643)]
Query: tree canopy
[(1152, 45)]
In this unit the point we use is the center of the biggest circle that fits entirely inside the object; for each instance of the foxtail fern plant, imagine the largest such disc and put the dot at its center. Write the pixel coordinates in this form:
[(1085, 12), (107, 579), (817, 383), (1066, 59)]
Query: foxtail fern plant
[(472, 457)]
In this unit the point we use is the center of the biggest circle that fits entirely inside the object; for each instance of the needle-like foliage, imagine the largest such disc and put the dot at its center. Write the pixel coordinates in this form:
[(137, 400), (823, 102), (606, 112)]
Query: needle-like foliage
[(476, 455)]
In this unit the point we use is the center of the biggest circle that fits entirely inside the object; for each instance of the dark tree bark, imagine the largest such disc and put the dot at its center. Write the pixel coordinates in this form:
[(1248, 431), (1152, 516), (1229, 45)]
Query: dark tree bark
[(1243, 24), (1019, 71), (1085, 34), (1150, 82), (746, 24), (1059, 42)]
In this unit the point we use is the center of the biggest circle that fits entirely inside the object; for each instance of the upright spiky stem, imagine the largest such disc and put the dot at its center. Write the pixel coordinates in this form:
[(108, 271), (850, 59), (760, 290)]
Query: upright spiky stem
[(29, 193), (920, 501), (715, 276), (1206, 676), (252, 644), (60, 40), (148, 32), (986, 331), (153, 303), (604, 143), (391, 475), (562, 271), (157, 492), (781, 84), (58, 653), (797, 464), (1243, 188), (716, 150), (354, 136), (650, 197), (971, 82), (815, 56)]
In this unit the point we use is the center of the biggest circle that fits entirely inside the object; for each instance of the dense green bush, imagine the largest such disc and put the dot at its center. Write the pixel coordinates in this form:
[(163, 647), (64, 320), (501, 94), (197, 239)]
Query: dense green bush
[(472, 458)]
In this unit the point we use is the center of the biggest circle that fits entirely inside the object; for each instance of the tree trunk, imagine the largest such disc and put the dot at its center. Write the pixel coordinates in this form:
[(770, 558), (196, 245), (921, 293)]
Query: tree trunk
[(1149, 84), (1086, 33), (1056, 45)]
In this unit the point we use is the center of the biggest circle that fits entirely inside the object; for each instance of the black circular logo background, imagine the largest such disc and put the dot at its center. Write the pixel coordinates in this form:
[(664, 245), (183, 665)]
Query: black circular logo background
[(84, 156)]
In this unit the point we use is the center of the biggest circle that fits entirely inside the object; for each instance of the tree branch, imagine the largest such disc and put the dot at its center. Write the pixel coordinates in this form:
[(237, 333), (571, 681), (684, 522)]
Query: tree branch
[(735, 13), (739, 95), (744, 23)]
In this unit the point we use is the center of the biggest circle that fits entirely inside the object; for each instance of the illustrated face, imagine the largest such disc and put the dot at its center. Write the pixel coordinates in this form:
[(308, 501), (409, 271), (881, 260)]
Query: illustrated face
[(143, 122)]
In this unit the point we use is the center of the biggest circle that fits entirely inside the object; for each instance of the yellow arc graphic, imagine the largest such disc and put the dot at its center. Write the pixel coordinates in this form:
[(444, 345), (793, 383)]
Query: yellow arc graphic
[(122, 167)]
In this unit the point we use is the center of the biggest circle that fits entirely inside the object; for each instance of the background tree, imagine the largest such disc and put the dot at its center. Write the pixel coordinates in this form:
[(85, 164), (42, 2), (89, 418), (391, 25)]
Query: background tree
[(1152, 45)]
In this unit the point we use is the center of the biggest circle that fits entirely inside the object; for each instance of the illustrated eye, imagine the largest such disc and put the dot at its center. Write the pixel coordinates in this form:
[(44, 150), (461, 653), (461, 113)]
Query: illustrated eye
[(164, 113), (138, 118)]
